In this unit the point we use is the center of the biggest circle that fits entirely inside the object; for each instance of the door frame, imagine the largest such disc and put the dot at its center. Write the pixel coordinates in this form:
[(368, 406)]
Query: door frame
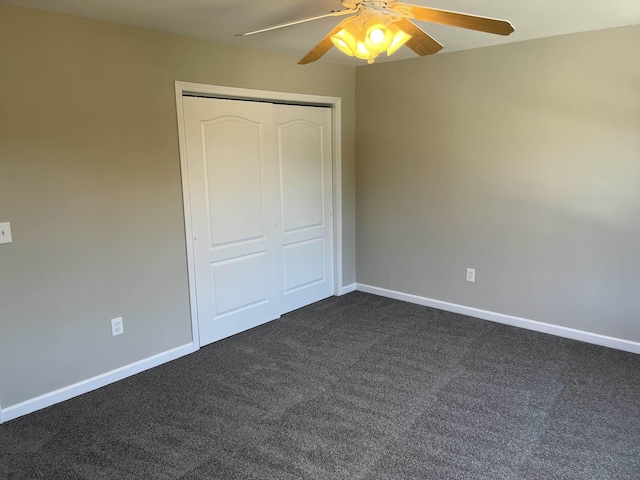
[(233, 93)]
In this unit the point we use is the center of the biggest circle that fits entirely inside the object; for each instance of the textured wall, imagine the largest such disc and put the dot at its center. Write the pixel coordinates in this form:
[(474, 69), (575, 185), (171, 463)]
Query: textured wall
[(521, 161), (90, 181)]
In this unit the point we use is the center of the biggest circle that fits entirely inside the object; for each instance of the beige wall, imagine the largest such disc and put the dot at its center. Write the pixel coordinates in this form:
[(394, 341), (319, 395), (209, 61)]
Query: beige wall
[(90, 181), (521, 161)]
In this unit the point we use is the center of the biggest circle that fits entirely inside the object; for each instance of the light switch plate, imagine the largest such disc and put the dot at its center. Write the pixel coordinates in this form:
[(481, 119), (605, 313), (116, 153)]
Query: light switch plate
[(5, 232)]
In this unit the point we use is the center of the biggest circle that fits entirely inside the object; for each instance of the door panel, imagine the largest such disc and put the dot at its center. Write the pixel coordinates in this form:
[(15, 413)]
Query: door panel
[(250, 271), (304, 264), (304, 157), (301, 164), (232, 162)]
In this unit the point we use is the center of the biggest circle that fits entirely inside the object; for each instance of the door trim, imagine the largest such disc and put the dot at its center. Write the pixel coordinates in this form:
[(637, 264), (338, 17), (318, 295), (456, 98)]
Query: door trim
[(203, 90)]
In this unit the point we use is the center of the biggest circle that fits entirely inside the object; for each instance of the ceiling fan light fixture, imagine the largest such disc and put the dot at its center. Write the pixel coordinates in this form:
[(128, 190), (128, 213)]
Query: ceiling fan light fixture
[(367, 35)]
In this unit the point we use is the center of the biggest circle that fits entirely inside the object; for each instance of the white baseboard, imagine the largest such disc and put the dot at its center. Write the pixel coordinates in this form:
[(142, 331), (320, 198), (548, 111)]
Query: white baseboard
[(348, 289), (65, 393), (588, 337)]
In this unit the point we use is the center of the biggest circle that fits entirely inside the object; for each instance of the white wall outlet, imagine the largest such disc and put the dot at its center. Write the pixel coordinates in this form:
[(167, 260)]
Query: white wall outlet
[(117, 326), (5, 232), (471, 275)]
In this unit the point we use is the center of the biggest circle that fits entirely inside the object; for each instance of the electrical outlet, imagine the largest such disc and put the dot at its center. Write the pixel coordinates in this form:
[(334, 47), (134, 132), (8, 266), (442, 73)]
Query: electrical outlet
[(471, 275), (117, 326), (5, 233)]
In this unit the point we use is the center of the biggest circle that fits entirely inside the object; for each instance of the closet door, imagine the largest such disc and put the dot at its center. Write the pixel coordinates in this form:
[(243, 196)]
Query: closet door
[(304, 161), (260, 192), (235, 214)]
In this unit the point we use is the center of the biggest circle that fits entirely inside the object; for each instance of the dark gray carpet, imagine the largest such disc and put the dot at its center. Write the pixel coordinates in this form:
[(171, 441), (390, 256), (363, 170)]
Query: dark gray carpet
[(357, 387)]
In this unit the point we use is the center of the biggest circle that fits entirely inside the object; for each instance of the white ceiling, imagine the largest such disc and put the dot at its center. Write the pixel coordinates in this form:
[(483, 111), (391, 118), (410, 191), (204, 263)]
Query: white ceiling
[(220, 20)]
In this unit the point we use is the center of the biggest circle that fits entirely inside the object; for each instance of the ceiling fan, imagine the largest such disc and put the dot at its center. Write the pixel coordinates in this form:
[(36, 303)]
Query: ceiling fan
[(378, 26)]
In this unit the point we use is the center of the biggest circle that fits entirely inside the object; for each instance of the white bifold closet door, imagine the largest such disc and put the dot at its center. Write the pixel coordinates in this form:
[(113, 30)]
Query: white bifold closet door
[(260, 192)]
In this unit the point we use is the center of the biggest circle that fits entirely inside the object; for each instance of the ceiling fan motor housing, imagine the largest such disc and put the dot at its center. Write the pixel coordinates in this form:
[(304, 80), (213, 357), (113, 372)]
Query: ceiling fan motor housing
[(350, 4)]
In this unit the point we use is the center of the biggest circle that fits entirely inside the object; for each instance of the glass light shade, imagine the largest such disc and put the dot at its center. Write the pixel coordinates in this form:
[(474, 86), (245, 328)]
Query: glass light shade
[(345, 42), (364, 53), (400, 37), (378, 37)]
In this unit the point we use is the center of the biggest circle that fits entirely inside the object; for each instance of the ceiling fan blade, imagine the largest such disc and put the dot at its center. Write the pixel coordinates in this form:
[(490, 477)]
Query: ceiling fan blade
[(323, 47), (454, 19), (420, 42), (296, 22)]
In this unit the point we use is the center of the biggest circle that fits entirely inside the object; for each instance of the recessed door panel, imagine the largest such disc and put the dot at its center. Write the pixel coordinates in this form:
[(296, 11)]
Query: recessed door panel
[(301, 165), (233, 165), (250, 271), (304, 264)]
